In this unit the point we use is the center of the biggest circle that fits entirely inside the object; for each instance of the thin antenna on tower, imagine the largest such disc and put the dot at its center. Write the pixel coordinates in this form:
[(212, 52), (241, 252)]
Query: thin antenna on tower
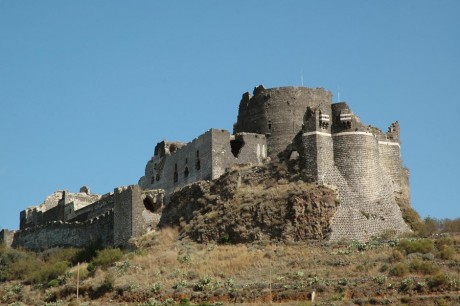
[(301, 77)]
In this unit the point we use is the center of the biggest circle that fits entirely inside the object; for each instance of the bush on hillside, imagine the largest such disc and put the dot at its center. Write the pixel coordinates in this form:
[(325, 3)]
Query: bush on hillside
[(423, 246), (105, 258)]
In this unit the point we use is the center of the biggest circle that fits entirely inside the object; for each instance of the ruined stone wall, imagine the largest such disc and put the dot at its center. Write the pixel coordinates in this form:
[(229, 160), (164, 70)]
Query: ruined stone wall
[(128, 220), (64, 234), (244, 148), (205, 158), (90, 211), (190, 163), (390, 160), (52, 209), (6, 237), (278, 113), (80, 200)]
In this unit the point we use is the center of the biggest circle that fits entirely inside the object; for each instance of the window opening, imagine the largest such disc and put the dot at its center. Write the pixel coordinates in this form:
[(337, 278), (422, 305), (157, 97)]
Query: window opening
[(150, 205), (176, 176), (186, 172), (236, 145)]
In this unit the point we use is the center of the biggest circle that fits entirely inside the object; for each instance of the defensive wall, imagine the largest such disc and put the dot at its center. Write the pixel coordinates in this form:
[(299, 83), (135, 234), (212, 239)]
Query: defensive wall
[(278, 113), (327, 140), (175, 165), (112, 220), (362, 162)]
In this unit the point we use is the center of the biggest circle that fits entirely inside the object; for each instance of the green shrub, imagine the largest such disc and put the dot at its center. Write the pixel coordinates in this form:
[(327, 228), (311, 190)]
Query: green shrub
[(396, 256), (412, 218), (439, 281), (399, 269), (423, 246), (446, 252), (423, 267), (47, 271), (88, 253), (184, 302), (444, 241), (53, 283), (105, 258), (109, 282)]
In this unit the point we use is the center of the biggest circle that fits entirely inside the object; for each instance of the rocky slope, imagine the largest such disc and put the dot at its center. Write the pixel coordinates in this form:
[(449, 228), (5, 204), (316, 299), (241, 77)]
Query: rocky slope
[(252, 203)]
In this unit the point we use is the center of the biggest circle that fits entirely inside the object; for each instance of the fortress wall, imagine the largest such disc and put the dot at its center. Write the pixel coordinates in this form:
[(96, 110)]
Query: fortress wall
[(367, 204), (247, 149), (81, 200), (90, 211), (128, 220), (54, 214), (317, 153), (196, 157), (405, 187), (6, 237), (356, 156), (390, 160), (278, 113), (60, 234)]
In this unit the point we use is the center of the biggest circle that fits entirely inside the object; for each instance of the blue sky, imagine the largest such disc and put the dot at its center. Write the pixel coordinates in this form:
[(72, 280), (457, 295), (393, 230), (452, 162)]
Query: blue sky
[(87, 88)]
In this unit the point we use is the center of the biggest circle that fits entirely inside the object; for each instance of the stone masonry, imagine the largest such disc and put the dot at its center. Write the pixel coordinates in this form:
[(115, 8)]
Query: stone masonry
[(327, 139)]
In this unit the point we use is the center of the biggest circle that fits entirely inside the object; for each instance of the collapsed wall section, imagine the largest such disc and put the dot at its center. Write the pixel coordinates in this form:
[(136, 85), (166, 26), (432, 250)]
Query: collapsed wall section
[(242, 149)]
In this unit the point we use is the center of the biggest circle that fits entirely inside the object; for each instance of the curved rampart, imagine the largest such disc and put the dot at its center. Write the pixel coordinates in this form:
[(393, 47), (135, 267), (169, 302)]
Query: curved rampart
[(356, 156), (278, 113)]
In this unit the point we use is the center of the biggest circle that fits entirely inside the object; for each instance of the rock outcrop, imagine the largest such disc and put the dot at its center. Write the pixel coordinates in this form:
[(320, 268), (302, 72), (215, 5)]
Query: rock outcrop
[(249, 204)]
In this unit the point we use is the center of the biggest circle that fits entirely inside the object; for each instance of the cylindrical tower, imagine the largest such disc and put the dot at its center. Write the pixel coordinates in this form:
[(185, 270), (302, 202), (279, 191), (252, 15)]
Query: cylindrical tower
[(278, 113)]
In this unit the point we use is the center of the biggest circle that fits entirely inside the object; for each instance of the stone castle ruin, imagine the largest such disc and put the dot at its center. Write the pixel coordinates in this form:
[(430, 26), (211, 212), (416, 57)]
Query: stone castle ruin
[(330, 143)]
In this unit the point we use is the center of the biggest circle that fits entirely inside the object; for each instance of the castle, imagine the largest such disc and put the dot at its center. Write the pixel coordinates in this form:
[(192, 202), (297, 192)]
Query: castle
[(300, 124)]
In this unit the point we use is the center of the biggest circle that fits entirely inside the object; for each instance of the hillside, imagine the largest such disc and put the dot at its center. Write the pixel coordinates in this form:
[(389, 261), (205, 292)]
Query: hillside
[(167, 271), (251, 204)]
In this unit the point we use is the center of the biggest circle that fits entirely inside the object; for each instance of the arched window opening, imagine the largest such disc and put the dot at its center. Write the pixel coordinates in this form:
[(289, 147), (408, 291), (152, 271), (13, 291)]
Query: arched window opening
[(198, 164)]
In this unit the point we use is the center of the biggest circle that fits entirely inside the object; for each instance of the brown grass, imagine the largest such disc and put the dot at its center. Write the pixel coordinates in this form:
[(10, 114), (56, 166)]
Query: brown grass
[(340, 274)]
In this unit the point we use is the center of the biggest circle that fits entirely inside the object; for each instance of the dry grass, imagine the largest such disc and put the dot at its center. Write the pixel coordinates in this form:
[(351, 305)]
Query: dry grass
[(167, 267)]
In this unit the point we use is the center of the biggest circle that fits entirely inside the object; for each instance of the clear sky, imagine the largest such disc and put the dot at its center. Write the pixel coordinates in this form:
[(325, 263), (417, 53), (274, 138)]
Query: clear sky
[(87, 88)]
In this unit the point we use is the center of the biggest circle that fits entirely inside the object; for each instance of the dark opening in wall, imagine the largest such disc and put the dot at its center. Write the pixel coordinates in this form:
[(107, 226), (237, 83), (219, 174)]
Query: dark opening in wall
[(172, 148), (269, 125), (186, 172), (158, 177), (198, 164), (236, 145), (176, 176), (150, 205)]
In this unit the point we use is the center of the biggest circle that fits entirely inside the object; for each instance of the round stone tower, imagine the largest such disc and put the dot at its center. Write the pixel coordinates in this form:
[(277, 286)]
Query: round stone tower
[(278, 113)]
